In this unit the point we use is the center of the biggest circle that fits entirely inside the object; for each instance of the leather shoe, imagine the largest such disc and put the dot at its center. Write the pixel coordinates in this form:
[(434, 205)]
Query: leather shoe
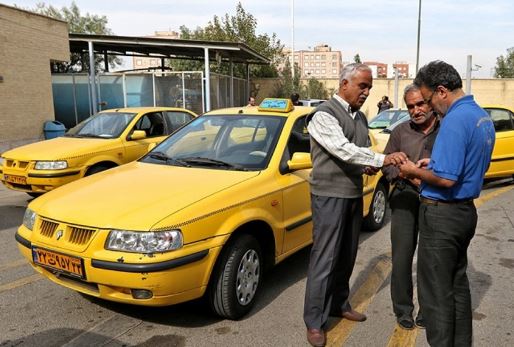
[(354, 316), (316, 337), (406, 323), (420, 322)]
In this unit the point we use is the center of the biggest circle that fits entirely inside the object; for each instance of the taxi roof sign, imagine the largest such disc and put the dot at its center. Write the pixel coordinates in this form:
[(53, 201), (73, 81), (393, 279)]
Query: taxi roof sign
[(277, 105)]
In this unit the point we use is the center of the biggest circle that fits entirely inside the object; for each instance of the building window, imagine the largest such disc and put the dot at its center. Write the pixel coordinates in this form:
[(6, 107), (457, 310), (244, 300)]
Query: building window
[(317, 64), (334, 71), (334, 64), (323, 72), (323, 57), (316, 57), (305, 64), (323, 64)]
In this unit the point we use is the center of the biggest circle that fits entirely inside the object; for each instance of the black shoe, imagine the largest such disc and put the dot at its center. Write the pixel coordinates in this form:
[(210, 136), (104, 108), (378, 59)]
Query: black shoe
[(420, 322), (406, 323)]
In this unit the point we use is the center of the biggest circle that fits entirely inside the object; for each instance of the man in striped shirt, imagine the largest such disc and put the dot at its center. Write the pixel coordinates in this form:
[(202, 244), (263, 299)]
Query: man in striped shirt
[(340, 155)]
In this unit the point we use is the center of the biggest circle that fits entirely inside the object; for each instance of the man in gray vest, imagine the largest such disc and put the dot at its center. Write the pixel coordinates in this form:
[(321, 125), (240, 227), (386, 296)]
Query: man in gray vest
[(340, 155)]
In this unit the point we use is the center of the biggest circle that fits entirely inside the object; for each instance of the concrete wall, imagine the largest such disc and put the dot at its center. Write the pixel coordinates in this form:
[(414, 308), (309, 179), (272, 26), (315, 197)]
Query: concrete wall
[(486, 91), (28, 42)]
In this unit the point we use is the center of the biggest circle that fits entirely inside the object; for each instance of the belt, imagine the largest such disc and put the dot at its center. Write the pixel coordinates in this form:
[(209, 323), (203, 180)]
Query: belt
[(429, 201)]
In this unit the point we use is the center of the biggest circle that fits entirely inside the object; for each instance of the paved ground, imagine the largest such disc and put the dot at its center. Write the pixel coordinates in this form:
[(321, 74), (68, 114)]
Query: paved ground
[(36, 312)]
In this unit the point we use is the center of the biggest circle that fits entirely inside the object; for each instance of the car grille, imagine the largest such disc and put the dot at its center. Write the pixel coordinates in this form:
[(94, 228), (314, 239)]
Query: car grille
[(67, 236), (16, 163)]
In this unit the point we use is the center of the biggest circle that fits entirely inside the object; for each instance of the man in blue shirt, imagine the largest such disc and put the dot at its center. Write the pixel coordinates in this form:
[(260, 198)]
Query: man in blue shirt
[(451, 179)]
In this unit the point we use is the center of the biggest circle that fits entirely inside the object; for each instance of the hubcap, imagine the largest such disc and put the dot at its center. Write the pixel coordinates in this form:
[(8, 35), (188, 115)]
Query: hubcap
[(248, 274), (379, 203)]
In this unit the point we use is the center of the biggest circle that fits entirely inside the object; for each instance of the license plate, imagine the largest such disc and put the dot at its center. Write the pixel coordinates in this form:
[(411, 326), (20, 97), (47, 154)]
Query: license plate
[(15, 179), (61, 262)]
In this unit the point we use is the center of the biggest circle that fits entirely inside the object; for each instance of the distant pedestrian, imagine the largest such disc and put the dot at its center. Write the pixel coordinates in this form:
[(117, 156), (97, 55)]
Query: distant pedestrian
[(451, 179), (384, 104), (295, 97), (415, 138), (251, 101)]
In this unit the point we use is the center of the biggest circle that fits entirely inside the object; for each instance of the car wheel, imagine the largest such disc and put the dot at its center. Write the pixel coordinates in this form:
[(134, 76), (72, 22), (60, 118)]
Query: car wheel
[(376, 216), (236, 280)]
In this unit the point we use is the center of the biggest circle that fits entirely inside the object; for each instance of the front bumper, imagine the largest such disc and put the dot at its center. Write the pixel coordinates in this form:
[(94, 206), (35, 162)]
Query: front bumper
[(36, 181), (171, 281)]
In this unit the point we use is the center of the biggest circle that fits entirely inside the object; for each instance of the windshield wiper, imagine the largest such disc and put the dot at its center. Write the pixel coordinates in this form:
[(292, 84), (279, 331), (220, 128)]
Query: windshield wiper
[(212, 162), (91, 135), (163, 157)]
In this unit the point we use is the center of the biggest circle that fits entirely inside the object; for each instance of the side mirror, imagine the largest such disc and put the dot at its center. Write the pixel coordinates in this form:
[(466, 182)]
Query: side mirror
[(138, 135), (300, 161), (151, 146)]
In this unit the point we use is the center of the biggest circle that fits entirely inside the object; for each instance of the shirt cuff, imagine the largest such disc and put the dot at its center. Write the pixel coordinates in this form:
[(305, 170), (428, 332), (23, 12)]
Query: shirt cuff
[(379, 160)]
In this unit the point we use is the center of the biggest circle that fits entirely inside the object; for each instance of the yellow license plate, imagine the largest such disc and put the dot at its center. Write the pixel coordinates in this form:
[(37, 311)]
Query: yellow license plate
[(61, 262), (15, 179)]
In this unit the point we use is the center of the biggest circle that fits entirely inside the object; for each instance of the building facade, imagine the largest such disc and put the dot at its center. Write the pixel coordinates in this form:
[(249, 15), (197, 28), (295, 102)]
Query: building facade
[(28, 43), (320, 63), (379, 69)]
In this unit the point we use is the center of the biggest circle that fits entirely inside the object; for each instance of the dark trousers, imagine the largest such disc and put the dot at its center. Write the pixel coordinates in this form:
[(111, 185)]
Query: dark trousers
[(445, 232), (336, 227), (404, 239)]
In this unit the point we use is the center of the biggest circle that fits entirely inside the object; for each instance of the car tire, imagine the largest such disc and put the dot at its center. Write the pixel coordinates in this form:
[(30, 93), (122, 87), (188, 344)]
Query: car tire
[(377, 211), (236, 279)]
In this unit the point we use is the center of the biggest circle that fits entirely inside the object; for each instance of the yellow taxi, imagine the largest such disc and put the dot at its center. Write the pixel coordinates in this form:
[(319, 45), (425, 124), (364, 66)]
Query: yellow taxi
[(206, 212), (502, 159), (102, 141)]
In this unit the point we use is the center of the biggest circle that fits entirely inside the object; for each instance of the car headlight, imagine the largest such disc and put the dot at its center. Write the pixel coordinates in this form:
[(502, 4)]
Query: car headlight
[(29, 218), (51, 165), (144, 241)]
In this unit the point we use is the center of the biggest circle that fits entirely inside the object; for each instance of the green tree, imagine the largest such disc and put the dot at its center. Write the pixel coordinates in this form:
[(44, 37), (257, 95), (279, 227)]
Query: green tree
[(78, 24), (239, 28), (288, 84), (505, 65), (315, 89), (357, 58)]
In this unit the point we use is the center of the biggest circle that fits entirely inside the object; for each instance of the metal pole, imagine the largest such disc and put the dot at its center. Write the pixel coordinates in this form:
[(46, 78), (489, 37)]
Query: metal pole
[(419, 30), (124, 84), (183, 90), (292, 39), (153, 85), (396, 86), (468, 76), (92, 80), (207, 84), (231, 83)]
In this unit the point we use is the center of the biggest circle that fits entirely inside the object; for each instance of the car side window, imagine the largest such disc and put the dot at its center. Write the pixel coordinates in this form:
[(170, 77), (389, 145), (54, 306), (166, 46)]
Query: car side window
[(152, 124), (299, 140), (502, 119), (176, 119)]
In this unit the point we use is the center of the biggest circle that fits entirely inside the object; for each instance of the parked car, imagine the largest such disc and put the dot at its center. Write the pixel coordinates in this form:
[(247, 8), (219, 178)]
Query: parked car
[(312, 102), (386, 118), (102, 141), (502, 160), (206, 212)]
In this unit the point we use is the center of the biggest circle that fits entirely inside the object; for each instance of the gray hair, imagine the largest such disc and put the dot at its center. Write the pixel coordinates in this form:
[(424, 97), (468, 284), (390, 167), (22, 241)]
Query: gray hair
[(350, 70), (410, 88)]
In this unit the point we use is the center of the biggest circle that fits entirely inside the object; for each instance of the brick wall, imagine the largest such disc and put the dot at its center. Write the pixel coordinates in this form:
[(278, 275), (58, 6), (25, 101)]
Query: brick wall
[(28, 42)]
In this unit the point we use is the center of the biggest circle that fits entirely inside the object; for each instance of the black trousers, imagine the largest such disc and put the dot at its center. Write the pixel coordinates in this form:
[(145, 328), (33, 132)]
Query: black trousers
[(336, 227), (445, 231), (404, 239)]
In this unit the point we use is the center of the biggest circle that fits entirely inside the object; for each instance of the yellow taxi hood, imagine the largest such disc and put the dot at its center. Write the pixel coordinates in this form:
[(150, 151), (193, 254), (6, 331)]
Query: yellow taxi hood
[(134, 196), (58, 148)]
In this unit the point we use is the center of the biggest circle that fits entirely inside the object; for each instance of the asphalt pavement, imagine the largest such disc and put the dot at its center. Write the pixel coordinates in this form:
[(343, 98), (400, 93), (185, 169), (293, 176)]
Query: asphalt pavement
[(37, 312)]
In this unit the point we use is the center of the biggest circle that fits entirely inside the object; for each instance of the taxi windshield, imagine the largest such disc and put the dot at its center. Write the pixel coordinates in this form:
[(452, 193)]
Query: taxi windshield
[(102, 125), (230, 142), (386, 118)]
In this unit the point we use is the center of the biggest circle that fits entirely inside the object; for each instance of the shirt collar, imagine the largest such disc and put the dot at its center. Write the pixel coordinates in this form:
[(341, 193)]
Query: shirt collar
[(346, 105)]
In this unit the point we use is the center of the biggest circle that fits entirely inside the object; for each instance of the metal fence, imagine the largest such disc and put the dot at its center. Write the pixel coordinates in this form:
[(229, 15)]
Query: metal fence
[(72, 93)]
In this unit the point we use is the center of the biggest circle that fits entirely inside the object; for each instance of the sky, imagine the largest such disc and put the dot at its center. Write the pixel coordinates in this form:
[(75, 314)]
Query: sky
[(378, 30)]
